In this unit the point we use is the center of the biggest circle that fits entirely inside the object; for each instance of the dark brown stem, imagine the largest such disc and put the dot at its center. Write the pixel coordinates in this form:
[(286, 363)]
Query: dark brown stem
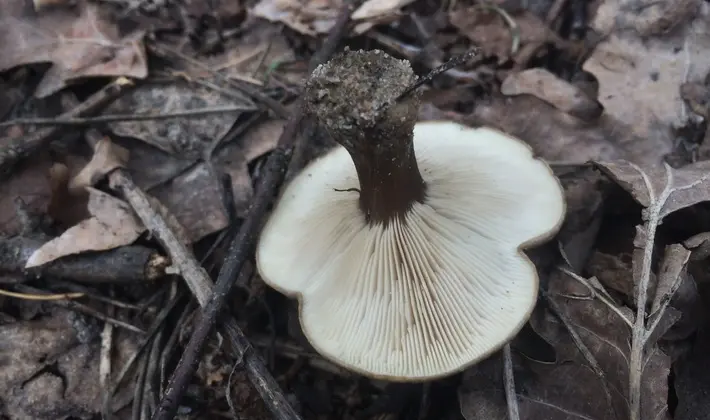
[(386, 165), (358, 98)]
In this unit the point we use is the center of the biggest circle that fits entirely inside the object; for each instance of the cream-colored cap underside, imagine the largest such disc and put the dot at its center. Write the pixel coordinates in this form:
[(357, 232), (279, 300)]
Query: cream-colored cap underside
[(429, 296)]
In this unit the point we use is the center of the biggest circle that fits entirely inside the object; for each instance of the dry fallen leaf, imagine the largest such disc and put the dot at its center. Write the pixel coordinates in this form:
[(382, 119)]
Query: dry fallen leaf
[(260, 49), (613, 271), (558, 136), (185, 137), (181, 233), (78, 44), (193, 198), (610, 365), (315, 17), (590, 379), (107, 157), (607, 336), (640, 68), (553, 134), (671, 274), (617, 273), (112, 224), (261, 139), (188, 189), (661, 190), (689, 185), (553, 90), (494, 34), (50, 368)]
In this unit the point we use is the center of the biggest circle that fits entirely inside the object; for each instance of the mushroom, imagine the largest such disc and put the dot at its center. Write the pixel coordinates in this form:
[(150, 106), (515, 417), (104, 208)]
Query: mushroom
[(403, 244)]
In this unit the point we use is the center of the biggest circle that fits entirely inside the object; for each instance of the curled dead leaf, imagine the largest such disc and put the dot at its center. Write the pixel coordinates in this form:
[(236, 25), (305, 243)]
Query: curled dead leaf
[(112, 224), (688, 186), (553, 90), (107, 157)]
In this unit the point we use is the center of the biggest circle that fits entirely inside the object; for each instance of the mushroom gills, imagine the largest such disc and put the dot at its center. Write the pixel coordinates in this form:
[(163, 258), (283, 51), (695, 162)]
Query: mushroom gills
[(431, 292)]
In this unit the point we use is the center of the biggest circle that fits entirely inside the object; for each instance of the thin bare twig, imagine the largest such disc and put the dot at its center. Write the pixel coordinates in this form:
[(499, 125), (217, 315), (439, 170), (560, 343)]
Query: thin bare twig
[(42, 296), (275, 106), (554, 12), (192, 113), (583, 349), (93, 294), (511, 396), (105, 365), (79, 307), (150, 394), (88, 310), (157, 324), (453, 62), (14, 150), (196, 278), (171, 344), (639, 332), (239, 251), (604, 299), (512, 24), (140, 384), (656, 317), (201, 286)]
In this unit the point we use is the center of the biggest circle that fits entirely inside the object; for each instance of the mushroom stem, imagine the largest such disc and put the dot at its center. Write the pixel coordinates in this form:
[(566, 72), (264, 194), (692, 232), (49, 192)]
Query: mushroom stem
[(356, 97), (386, 165)]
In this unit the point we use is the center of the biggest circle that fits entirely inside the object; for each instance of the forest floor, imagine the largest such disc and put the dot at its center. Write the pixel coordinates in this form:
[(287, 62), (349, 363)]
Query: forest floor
[(144, 143)]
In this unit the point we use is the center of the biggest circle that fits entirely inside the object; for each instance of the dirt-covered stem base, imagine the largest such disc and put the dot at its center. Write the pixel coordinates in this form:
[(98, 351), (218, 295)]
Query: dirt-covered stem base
[(353, 97)]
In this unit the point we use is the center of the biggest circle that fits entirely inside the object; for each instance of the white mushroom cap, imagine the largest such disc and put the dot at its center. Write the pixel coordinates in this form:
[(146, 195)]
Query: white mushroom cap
[(429, 294)]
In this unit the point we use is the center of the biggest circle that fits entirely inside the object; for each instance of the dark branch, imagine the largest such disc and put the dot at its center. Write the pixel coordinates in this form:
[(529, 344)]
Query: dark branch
[(240, 250)]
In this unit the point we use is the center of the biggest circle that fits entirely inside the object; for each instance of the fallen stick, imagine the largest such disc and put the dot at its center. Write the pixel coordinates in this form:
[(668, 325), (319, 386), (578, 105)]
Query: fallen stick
[(240, 250)]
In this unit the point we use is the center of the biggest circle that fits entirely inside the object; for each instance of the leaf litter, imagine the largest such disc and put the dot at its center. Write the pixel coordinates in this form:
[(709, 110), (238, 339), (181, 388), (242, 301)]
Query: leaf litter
[(614, 321), (616, 346), (499, 33), (649, 49), (79, 43), (319, 16), (185, 137), (111, 225)]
